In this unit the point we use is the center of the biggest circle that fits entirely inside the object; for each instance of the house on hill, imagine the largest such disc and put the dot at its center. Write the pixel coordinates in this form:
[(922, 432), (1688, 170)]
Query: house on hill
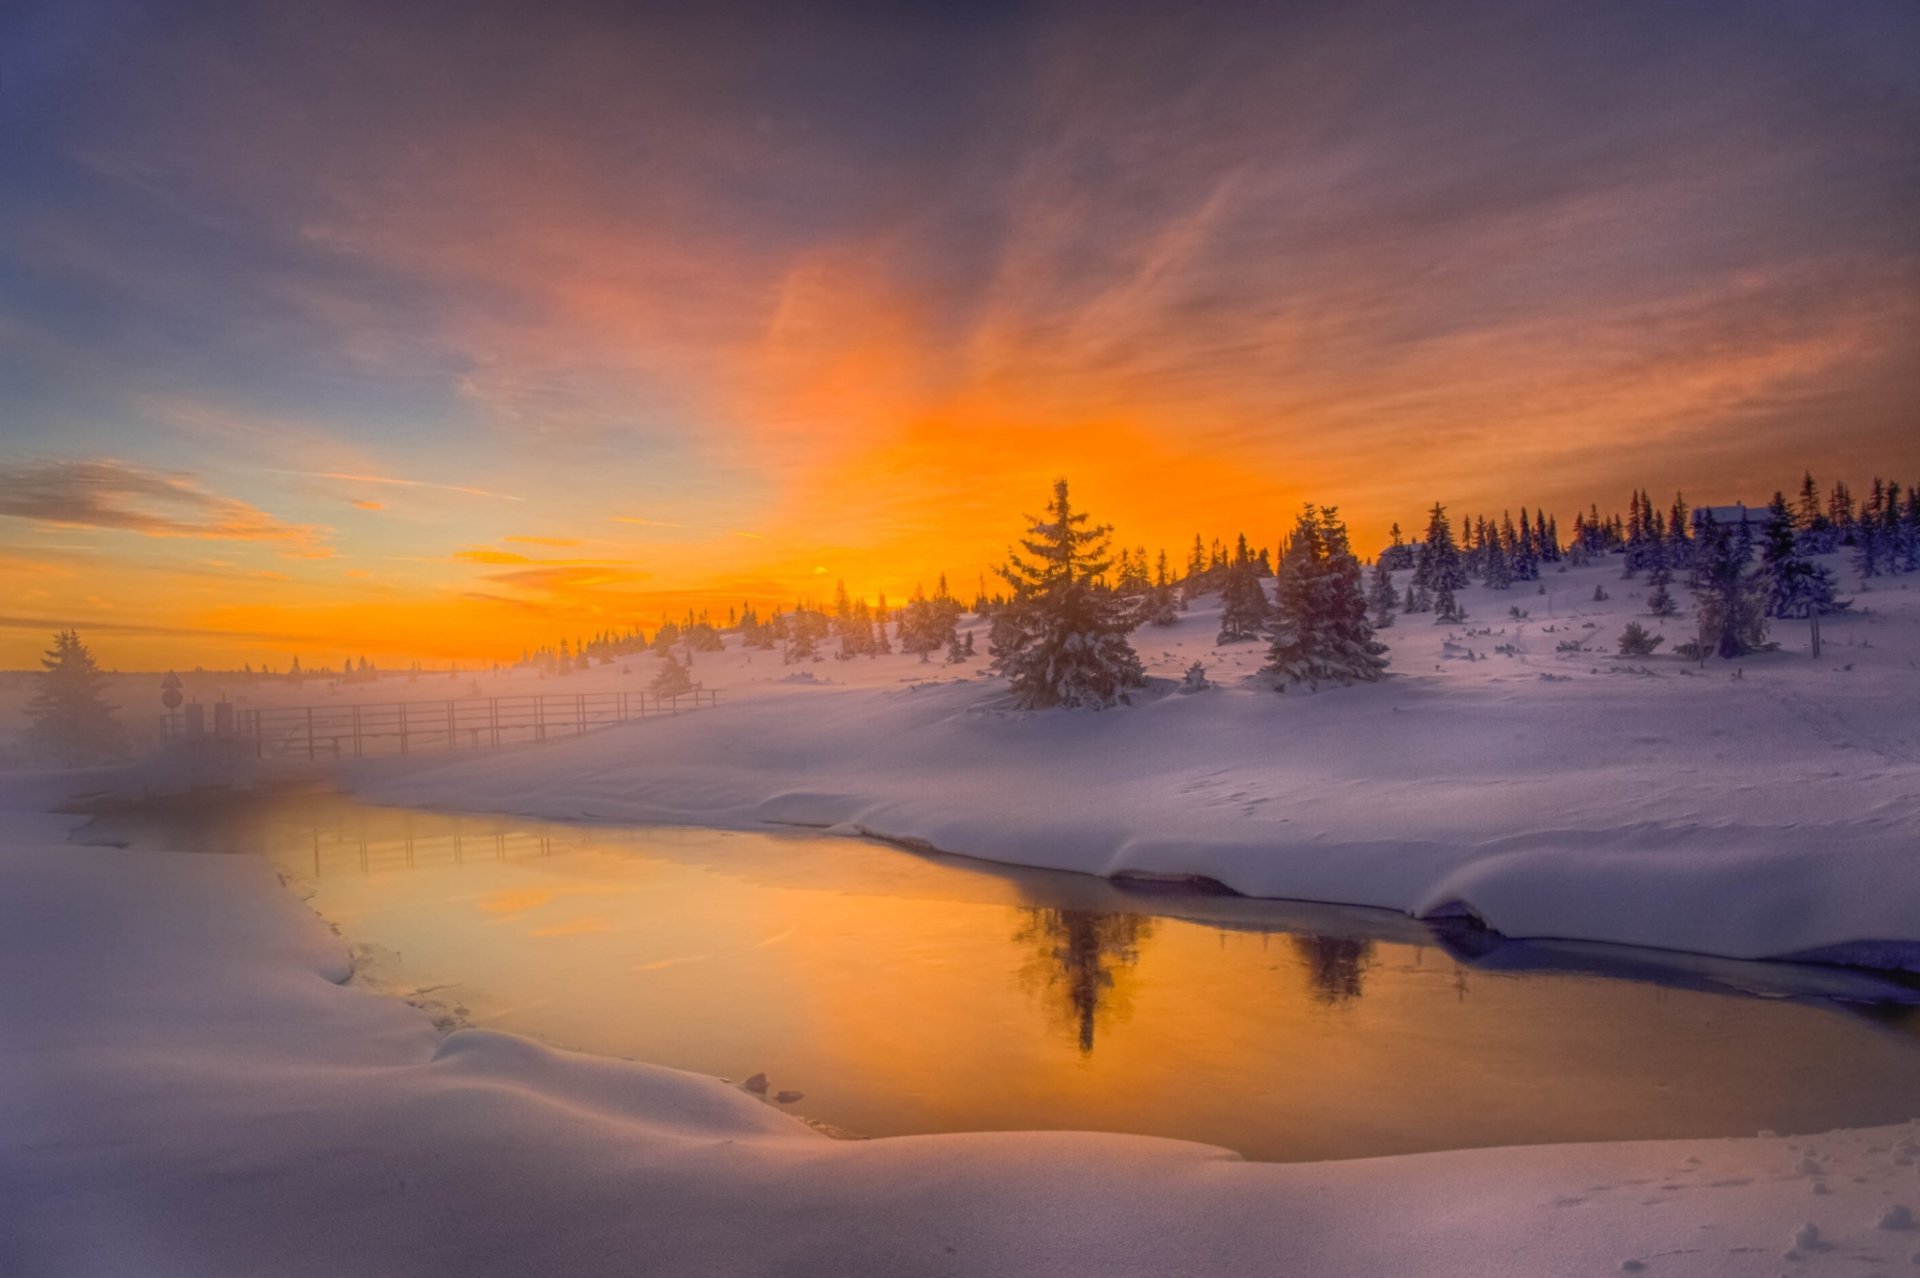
[(1736, 517)]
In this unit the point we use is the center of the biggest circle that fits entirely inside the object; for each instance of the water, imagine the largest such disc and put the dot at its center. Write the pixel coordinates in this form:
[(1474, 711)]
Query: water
[(901, 993)]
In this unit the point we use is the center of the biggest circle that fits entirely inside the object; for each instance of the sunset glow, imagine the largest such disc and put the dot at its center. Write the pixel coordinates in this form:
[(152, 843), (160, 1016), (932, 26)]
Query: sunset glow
[(414, 332)]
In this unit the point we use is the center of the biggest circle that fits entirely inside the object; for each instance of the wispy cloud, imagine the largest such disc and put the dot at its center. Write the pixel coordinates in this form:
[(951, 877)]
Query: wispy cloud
[(645, 523), (397, 482), (105, 493)]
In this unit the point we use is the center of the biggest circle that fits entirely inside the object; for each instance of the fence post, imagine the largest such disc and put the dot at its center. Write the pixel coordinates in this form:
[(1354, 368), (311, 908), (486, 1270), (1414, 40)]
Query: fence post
[(357, 751), (403, 727), (309, 734), (493, 718), (539, 716), (452, 744)]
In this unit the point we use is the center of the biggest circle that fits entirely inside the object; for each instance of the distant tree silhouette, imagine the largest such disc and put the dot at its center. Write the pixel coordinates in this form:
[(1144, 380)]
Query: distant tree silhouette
[(71, 723)]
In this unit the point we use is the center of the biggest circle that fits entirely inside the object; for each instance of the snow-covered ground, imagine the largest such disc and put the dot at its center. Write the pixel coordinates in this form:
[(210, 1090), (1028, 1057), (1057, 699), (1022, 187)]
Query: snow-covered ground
[(1761, 808), (188, 1088)]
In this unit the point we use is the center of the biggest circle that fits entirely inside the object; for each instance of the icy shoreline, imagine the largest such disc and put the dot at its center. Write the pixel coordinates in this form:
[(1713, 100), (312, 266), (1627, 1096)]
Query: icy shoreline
[(1775, 815), (194, 1089)]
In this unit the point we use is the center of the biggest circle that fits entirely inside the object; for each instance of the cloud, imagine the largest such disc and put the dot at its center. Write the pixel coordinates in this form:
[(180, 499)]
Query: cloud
[(645, 523), (482, 555), (398, 482), (363, 504), (105, 493), (558, 542), (153, 630)]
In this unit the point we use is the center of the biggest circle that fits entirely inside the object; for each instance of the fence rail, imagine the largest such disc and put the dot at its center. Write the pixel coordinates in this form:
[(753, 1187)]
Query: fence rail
[(419, 727)]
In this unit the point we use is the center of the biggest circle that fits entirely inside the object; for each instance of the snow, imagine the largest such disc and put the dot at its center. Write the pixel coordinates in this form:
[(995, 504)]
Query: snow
[(1754, 809), (190, 1083), (191, 1087)]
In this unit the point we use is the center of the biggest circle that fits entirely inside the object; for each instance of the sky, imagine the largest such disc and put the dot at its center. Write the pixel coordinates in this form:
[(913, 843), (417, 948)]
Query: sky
[(437, 330)]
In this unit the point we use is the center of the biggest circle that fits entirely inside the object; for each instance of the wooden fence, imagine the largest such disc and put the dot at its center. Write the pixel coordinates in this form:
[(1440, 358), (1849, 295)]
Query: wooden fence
[(351, 731)]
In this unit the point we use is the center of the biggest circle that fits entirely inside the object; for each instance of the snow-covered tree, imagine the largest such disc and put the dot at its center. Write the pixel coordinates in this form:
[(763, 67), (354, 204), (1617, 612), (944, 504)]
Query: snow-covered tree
[(1496, 567), (1320, 630), (927, 624), (1062, 640), (1437, 566), (70, 721), (1731, 596), (672, 679), (1796, 586), (1243, 602), (1382, 598)]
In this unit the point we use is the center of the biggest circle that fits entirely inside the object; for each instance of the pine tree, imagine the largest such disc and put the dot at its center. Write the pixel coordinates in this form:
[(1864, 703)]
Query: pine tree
[(672, 679), (1382, 598), (1320, 630), (1498, 569), (71, 723), (1243, 602), (1062, 641), (1438, 565), (1732, 598), (1796, 586)]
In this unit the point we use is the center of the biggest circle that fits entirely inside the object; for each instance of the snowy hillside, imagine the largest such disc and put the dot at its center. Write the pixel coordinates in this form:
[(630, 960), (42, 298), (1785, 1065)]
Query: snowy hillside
[(1513, 768)]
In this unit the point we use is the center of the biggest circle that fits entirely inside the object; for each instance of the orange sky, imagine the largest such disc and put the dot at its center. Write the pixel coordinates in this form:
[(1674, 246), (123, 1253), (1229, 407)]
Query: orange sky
[(333, 329)]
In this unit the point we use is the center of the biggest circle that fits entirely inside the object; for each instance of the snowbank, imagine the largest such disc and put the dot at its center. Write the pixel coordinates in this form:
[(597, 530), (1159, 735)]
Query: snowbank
[(188, 1088), (1512, 769)]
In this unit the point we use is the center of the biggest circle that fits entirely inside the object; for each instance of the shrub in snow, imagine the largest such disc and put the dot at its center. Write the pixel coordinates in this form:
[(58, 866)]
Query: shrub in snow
[(672, 680), (1196, 679), (1635, 641), (1062, 639), (1320, 630), (70, 720)]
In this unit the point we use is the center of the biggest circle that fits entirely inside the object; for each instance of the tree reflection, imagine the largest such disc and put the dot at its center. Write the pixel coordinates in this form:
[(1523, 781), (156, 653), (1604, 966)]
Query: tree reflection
[(1078, 954), (1336, 966)]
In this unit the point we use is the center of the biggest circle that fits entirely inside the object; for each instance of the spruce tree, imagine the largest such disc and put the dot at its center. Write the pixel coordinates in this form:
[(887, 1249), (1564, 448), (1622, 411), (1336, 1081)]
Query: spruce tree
[(1437, 566), (1382, 598), (1243, 602), (1497, 567), (1731, 597), (1061, 640), (672, 679), (1796, 586), (1320, 630), (70, 722)]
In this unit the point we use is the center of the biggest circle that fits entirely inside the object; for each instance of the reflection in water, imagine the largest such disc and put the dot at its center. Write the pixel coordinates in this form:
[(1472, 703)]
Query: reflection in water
[(908, 994), (1077, 956), (1336, 965)]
